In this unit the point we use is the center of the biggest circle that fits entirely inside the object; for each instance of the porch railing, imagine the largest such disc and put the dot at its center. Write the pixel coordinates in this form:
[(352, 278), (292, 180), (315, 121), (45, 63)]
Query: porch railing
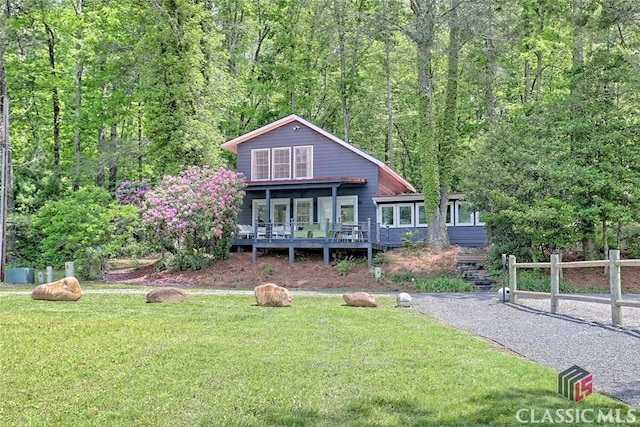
[(328, 231)]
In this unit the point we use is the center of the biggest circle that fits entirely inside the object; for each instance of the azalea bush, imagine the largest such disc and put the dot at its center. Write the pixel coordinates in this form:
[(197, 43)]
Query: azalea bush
[(132, 192), (194, 212)]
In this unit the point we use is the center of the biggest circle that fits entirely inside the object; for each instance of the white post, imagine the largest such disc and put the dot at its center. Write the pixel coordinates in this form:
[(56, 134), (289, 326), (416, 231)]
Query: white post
[(615, 287), (69, 269), (513, 279), (555, 282), (49, 274)]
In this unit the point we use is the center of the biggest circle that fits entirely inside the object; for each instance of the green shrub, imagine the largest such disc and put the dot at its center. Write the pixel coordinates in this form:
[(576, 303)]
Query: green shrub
[(266, 270), (76, 228), (182, 261), (444, 284), (344, 266), (412, 239), (402, 277), (534, 281)]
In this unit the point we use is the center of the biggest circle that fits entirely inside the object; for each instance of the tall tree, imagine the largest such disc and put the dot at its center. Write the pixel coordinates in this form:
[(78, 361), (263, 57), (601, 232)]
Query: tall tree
[(184, 85), (78, 91)]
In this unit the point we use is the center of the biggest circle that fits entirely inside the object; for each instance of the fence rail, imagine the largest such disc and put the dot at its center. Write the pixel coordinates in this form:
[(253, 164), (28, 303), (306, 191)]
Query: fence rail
[(555, 265)]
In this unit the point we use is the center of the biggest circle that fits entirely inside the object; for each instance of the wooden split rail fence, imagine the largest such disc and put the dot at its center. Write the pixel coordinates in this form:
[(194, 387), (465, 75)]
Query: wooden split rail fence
[(613, 263)]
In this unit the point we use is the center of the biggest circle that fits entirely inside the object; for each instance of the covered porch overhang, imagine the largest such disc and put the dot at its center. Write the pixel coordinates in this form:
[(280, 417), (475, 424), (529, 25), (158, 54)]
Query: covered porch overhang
[(331, 184)]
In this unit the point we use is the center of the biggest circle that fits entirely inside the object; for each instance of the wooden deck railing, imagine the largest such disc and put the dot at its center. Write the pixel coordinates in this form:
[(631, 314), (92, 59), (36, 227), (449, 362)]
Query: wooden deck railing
[(328, 231)]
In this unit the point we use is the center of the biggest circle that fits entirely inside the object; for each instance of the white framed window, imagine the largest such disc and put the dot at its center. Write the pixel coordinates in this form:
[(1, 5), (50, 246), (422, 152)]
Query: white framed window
[(387, 215), (346, 209), (279, 211), (405, 215), (259, 212), (303, 211), (479, 220), (450, 212), (464, 215), (281, 163), (421, 215), (260, 164), (303, 162)]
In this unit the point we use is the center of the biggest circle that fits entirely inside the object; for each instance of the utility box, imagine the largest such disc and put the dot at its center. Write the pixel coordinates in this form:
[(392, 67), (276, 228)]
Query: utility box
[(19, 276)]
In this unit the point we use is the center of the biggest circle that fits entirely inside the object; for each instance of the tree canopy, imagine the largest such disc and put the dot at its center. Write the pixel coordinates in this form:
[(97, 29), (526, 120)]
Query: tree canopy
[(530, 107)]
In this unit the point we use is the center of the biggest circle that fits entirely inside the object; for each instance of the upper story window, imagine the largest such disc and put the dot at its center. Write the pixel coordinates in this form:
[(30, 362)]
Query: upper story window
[(303, 162), (282, 163), (260, 164)]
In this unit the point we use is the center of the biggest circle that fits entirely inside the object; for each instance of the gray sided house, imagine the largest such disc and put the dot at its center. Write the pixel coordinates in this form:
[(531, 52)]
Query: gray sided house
[(306, 188)]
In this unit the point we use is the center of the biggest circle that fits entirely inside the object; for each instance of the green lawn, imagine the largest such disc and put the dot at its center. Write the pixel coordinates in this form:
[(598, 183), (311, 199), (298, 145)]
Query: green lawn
[(112, 360)]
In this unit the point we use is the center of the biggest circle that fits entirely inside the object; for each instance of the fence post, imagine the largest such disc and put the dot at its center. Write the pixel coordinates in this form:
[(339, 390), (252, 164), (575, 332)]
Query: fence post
[(555, 282), (615, 287), (513, 279)]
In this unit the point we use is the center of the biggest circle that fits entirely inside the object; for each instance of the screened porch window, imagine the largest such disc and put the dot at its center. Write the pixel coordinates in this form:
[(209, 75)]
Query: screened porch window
[(303, 211)]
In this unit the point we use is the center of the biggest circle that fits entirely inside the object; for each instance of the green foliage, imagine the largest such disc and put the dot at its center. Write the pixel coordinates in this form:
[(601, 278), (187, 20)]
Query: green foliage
[(412, 239), (266, 270), (533, 280), (444, 284), (630, 237), (183, 261), (345, 265), (26, 252), (401, 277), (68, 228)]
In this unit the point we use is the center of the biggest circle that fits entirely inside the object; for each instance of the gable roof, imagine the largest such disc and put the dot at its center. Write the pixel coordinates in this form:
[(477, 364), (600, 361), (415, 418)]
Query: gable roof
[(232, 146)]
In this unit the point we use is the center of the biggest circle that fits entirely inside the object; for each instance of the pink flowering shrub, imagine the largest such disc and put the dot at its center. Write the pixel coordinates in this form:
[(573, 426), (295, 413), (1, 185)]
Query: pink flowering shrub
[(132, 192), (195, 210)]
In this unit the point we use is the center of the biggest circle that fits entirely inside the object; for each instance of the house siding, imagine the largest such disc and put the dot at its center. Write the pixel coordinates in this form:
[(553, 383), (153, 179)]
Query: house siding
[(330, 160), (342, 166), (468, 236)]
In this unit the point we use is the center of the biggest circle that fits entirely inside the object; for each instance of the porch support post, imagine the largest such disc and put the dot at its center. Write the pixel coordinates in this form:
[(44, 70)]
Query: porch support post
[(334, 204), (254, 254), (267, 208), (325, 252), (369, 256), (292, 254)]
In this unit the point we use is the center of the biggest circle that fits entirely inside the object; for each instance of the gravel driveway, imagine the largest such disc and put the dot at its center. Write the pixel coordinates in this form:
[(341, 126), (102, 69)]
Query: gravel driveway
[(580, 334)]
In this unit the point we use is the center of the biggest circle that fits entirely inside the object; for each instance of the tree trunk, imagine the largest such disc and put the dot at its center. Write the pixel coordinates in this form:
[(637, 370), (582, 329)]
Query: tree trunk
[(438, 235), (55, 101), (344, 98), (113, 162), (387, 69), (78, 87), (102, 153), (490, 54), (424, 37)]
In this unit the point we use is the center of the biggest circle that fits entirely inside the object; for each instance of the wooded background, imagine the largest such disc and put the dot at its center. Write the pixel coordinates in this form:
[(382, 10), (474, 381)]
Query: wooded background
[(528, 106)]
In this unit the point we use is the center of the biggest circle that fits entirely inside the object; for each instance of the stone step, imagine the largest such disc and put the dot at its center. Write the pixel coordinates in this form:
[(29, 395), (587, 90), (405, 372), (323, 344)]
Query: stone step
[(472, 270)]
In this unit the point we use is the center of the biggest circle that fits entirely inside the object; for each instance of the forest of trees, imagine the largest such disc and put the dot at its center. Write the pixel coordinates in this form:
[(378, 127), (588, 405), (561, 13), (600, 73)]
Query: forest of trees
[(530, 107)]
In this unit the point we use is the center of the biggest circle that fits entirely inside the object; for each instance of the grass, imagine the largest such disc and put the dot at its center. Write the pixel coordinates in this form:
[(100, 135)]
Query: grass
[(533, 280), (112, 360)]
